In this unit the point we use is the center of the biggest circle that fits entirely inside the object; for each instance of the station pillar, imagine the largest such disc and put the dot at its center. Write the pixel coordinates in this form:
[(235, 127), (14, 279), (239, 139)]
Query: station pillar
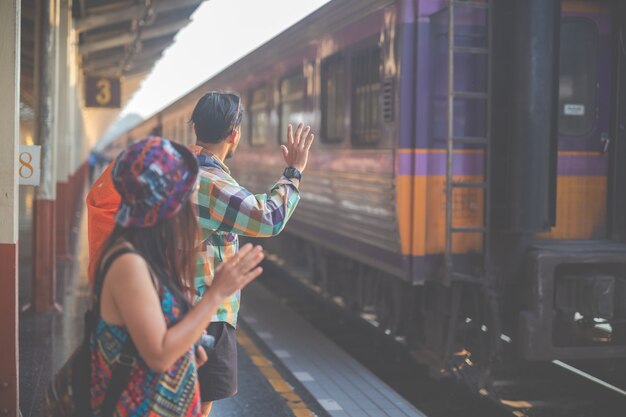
[(9, 207), (44, 252), (63, 196)]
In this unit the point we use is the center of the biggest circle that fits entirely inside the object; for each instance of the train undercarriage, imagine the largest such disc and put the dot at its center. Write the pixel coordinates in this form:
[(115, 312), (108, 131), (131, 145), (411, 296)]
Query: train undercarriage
[(478, 335)]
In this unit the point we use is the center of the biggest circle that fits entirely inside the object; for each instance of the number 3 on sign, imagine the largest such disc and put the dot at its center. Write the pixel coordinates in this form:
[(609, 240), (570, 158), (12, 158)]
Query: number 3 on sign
[(104, 92), (28, 167)]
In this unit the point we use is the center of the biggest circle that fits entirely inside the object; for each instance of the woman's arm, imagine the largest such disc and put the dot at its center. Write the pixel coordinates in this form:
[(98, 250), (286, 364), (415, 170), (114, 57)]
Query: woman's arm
[(130, 288)]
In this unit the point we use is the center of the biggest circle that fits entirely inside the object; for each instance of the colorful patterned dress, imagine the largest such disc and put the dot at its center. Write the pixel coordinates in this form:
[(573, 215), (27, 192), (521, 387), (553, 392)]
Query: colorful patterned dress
[(174, 393)]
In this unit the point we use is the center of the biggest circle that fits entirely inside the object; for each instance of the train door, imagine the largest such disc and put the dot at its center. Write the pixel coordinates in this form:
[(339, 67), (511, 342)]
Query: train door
[(583, 121)]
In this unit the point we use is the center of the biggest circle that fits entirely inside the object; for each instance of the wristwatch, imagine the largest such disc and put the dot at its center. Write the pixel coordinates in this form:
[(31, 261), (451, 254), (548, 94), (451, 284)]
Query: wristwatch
[(291, 172)]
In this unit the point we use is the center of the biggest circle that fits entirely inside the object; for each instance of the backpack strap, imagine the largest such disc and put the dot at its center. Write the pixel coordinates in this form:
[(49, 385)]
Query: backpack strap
[(127, 358)]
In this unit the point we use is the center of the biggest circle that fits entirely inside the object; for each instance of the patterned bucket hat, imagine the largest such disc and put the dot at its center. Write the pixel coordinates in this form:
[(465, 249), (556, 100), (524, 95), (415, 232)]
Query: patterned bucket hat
[(154, 177)]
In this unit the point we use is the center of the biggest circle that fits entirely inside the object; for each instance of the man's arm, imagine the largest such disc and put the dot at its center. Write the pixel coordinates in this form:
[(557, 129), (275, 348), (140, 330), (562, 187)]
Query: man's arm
[(226, 206)]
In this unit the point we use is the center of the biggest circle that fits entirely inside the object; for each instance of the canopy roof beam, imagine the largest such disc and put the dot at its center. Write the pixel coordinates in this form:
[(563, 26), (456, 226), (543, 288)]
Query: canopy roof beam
[(117, 59), (119, 66), (131, 13), (130, 38)]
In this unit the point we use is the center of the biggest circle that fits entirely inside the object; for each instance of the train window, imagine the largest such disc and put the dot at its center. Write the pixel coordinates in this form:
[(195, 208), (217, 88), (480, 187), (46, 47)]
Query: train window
[(292, 93), (333, 98), (578, 78), (258, 117), (365, 97)]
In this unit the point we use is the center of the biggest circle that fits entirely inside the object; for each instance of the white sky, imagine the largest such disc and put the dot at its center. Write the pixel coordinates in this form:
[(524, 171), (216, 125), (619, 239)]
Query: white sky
[(221, 32)]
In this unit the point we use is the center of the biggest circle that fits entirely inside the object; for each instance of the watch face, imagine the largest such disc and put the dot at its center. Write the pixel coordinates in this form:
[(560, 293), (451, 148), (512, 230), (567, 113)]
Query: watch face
[(292, 173)]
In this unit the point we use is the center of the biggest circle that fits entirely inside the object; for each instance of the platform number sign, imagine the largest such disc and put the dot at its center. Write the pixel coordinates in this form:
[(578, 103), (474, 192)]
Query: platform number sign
[(28, 168), (103, 92)]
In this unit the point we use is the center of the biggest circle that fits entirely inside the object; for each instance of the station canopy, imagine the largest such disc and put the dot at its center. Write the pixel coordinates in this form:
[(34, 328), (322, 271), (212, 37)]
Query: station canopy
[(116, 38)]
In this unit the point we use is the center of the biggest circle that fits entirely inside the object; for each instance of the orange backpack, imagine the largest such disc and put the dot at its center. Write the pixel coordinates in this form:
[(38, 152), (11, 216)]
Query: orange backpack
[(102, 203)]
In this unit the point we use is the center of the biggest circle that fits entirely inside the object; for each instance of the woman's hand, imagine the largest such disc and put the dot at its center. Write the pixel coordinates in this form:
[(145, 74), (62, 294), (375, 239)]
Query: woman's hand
[(238, 271), (296, 152)]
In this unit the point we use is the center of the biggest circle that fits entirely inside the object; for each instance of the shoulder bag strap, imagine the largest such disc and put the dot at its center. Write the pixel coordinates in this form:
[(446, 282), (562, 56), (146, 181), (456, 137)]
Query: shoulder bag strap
[(127, 357), (99, 281), (124, 363)]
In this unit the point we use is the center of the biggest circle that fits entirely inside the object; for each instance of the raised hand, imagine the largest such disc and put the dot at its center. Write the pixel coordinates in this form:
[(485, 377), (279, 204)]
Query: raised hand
[(238, 271), (296, 152)]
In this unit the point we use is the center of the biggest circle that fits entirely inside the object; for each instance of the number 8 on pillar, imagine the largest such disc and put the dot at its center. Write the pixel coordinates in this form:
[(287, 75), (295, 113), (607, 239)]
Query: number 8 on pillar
[(28, 168)]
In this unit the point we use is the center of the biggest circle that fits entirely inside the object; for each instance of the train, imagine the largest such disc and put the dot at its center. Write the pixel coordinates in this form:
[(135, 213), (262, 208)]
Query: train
[(467, 190)]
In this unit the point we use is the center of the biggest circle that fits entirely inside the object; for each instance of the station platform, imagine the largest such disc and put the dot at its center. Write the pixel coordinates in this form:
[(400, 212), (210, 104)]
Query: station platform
[(286, 367), (339, 384)]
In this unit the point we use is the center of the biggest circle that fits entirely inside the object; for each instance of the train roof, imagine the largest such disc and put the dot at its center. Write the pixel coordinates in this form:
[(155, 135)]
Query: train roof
[(327, 19)]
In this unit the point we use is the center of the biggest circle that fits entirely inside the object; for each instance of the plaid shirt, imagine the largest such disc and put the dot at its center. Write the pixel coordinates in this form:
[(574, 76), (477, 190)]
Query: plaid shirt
[(226, 210)]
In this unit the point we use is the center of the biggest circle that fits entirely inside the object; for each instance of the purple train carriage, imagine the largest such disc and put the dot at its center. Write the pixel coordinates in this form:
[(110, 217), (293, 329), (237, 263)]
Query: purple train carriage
[(468, 187)]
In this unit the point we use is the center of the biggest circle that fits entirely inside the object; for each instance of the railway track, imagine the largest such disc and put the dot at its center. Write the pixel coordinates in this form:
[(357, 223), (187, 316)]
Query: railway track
[(555, 389), (560, 389)]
